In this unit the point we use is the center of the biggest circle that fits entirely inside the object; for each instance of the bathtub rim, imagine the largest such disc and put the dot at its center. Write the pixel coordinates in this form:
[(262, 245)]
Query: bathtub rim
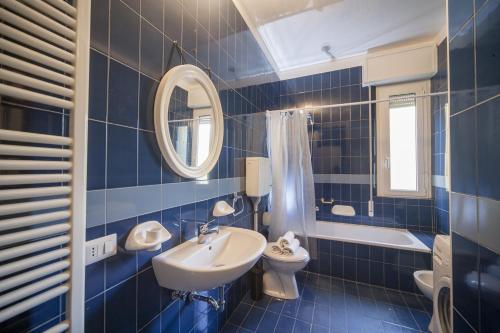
[(417, 244)]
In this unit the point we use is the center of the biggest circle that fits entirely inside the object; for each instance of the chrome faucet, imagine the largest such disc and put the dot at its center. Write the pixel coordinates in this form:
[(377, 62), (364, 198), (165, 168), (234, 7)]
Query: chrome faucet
[(204, 232)]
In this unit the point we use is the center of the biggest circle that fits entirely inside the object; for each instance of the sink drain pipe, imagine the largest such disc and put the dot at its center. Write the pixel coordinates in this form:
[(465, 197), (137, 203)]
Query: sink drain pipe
[(217, 305)]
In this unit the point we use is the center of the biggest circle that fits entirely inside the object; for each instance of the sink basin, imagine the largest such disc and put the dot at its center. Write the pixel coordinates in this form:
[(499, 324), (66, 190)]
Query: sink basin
[(195, 267)]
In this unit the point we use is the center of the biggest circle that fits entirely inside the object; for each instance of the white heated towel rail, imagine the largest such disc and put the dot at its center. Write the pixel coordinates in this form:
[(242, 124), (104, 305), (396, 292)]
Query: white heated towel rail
[(44, 55)]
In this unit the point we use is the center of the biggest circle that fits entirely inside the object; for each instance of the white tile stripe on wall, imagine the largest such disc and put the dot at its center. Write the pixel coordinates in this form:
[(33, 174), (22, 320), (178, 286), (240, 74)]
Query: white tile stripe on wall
[(110, 205), (466, 209), (437, 181), (341, 179)]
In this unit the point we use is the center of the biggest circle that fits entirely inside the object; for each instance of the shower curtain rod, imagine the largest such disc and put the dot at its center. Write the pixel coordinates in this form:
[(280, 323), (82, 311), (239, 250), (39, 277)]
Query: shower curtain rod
[(357, 103)]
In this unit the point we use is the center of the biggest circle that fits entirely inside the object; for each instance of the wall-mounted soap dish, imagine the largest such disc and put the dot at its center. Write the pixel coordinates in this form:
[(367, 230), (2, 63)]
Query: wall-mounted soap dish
[(343, 210), (147, 236), (222, 208)]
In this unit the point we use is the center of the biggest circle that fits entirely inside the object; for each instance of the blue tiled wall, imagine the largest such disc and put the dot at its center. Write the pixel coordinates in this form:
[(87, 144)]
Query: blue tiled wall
[(474, 49), (411, 214), (123, 289), (440, 196), (131, 41), (382, 266)]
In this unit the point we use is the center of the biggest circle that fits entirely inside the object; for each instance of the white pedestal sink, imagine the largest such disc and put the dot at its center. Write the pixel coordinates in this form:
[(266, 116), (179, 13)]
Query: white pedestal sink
[(196, 267)]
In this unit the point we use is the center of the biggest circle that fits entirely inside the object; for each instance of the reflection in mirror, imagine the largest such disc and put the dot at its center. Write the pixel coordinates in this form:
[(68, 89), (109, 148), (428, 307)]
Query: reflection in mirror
[(189, 123), (190, 119)]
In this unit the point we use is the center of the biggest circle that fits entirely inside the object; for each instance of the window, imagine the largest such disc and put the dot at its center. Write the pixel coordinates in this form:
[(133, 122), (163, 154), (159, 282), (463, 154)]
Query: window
[(403, 141)]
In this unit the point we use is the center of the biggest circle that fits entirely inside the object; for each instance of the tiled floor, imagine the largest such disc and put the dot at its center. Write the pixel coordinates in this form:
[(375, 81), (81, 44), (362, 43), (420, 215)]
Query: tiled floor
[(333, 305)]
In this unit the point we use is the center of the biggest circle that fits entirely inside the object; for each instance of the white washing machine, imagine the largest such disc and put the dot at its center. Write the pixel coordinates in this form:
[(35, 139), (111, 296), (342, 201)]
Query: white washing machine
[(442, 308)]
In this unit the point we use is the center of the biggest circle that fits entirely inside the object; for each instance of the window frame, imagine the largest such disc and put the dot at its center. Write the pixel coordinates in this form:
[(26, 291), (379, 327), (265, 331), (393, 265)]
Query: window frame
[(198, 114), (423, 116)]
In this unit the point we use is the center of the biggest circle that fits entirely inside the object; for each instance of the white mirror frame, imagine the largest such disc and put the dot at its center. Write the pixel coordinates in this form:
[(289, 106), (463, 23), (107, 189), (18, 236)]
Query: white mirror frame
[(162, 99)]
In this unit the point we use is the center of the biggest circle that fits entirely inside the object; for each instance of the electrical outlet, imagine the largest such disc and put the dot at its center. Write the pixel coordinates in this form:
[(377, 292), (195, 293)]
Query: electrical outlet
[(93, 251), (100, 248)]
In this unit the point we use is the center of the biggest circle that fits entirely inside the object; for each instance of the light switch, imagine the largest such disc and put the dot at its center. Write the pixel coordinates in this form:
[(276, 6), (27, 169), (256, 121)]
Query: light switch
[(109, 246)]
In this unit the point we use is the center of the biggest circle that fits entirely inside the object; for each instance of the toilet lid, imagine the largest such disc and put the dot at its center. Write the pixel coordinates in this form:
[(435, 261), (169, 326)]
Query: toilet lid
[(300, 256)]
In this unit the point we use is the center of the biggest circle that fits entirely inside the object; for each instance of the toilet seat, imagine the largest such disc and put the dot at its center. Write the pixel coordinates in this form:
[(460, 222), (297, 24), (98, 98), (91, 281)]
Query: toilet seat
[(300, 256)]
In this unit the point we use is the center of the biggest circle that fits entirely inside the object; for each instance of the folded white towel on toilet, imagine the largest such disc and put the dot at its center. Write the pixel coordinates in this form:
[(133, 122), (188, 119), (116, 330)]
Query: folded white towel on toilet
[(276, 248), (292, 248), (286, 239)]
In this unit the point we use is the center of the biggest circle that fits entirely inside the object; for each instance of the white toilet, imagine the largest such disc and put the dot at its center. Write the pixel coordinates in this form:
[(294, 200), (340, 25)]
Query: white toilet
[(424, 282), (279, 272)]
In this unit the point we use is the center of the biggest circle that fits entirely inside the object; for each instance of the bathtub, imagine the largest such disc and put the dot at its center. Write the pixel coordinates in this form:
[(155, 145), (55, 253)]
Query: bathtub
[(374, 236)]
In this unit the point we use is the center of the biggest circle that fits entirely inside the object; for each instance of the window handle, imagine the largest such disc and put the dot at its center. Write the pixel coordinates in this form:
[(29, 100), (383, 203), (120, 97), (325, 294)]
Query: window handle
[(387, 162)]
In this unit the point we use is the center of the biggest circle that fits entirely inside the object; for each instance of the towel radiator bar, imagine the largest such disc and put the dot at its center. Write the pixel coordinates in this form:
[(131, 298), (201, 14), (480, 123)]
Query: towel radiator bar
[(44, 55)]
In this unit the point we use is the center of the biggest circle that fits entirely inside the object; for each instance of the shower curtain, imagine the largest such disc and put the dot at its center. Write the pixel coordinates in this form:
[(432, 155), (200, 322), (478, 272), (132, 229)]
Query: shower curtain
[(292, 203)]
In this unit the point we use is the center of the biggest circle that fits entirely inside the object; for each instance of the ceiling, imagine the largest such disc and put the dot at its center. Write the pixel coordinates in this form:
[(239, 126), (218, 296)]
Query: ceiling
[(298, 34)]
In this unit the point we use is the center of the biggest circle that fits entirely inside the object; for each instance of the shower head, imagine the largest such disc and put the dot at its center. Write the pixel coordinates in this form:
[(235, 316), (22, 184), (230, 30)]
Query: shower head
[(327, 49)]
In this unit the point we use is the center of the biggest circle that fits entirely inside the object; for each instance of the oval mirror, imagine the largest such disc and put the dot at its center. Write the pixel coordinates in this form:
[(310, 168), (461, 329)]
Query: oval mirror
[(189, 123)]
